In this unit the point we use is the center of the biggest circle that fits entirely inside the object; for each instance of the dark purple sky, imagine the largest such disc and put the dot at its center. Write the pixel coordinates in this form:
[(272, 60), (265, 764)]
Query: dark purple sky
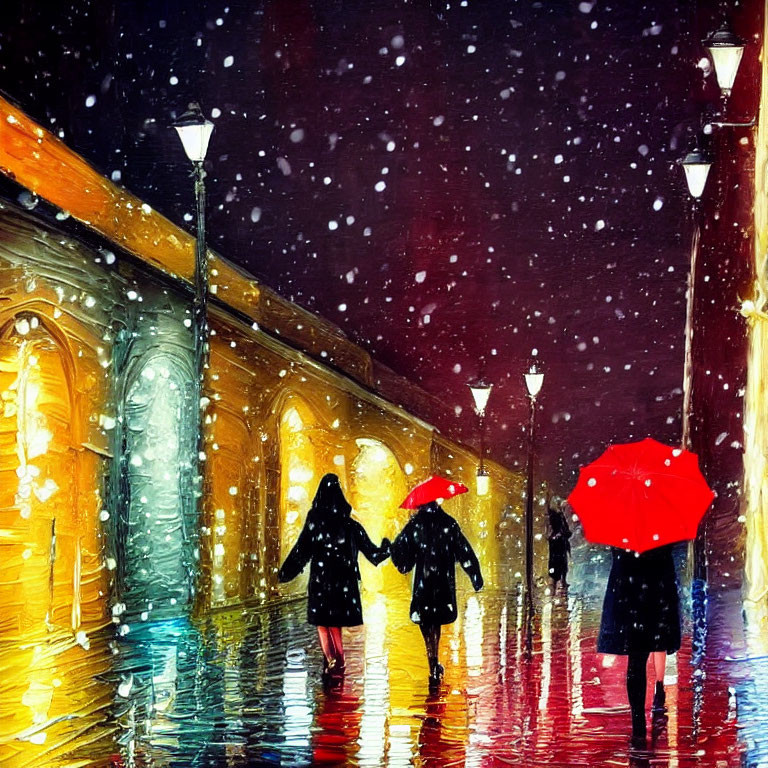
[(453, 183)]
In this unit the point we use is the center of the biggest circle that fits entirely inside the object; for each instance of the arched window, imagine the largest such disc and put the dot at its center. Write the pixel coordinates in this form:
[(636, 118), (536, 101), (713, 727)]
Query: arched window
[(378, 486), (39, 560)]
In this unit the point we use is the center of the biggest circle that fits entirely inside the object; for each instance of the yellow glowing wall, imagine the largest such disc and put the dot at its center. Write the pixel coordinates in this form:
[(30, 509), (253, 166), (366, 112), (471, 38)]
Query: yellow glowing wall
[(51, 569), (756, 395), (279, 422), (231, 539), (53, 460), (256, 518), (39, 552)]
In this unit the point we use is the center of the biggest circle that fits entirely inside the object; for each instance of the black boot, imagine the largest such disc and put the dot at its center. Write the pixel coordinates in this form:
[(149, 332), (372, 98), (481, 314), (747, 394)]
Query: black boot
[(636, 696), (435, 671), (659, 698), (638, 740), (638, 743)]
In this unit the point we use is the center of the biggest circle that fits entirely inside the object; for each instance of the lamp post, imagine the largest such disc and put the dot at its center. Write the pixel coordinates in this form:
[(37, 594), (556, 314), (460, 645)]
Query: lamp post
[(726, 50), (195, 133), (533, 383), (480, 394), (696, 165)]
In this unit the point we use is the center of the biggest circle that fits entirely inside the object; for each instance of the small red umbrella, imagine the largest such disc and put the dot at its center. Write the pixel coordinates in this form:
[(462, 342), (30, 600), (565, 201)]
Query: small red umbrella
[(431, 490), (641, 495)]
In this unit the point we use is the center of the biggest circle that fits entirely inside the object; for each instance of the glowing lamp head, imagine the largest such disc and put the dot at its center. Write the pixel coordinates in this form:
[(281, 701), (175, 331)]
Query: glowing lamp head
[(726, 50), (195, 132), (696, 165), (534, 380), (480, 394)]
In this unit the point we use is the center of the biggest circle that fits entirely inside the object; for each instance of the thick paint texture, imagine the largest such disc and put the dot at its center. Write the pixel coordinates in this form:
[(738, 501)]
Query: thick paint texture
[(454, 185)]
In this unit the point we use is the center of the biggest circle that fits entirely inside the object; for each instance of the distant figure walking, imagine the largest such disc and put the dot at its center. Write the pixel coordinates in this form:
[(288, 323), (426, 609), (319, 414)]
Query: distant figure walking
[(432, 541), (559, 544), (641, 617), (331, 540)]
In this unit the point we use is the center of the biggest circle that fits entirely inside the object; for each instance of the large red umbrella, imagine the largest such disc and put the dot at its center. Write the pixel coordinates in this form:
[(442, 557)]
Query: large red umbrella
[(641, 495), (431, 490)]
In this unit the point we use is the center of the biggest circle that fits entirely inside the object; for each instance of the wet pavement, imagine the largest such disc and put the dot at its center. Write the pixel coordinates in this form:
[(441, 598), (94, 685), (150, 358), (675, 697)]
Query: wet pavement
[(244, 688)]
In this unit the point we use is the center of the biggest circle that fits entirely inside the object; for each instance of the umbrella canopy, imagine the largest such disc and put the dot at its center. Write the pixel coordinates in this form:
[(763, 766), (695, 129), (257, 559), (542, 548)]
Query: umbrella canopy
[(431, 490), (641, 495)]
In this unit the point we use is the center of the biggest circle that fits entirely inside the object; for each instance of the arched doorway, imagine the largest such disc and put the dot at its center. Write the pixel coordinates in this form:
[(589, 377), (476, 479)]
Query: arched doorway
[(298, 477), (378, 486), (39, 548), (309, 446)]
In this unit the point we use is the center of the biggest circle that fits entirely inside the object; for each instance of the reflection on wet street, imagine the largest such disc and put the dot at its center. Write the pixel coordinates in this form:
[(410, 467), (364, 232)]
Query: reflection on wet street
[(244, 688)]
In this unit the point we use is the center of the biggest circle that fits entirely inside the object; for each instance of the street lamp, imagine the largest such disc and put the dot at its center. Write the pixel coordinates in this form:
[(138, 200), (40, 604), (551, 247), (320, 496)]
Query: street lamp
[(480, 394), (696, 165), (534, 380), (726, 50), (195, 133)]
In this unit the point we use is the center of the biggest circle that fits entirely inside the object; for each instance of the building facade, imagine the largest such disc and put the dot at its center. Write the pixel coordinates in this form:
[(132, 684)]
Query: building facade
[(100, 527)]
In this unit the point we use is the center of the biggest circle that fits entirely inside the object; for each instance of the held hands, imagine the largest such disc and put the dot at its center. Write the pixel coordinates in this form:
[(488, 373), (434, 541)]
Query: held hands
[(386, 546)]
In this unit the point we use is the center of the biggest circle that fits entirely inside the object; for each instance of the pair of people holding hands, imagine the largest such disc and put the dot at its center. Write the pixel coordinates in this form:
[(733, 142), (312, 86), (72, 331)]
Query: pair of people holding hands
[(431, 542)]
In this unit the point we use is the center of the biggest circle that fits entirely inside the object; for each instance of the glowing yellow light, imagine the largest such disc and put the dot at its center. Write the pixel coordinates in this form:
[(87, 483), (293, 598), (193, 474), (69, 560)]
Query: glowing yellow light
[(297, 493), (302, 474), (755, 504)]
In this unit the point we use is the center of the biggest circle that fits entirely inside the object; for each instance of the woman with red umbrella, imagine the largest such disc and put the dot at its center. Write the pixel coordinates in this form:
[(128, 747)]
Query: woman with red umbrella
[(640, 498), (330, 541), (641, 617), (432, 542)]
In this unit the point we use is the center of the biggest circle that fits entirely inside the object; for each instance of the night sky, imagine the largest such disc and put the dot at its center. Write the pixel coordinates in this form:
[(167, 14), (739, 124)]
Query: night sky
[(454, 184)]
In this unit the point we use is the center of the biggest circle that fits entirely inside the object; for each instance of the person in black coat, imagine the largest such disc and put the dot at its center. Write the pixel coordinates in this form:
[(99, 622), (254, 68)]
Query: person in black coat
[(432, 541), (559, 545), (331, 540), (641, 616)]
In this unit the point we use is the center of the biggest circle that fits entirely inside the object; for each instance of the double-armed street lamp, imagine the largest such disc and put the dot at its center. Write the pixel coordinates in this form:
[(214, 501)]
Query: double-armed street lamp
[(726, 50), (195, 133), (534, 379), (481, 391)]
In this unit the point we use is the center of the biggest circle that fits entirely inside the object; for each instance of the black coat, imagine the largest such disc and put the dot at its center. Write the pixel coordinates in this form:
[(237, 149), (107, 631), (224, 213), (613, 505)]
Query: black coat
[(559, 545), (433, 542), (641, 608), (331, 541)]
